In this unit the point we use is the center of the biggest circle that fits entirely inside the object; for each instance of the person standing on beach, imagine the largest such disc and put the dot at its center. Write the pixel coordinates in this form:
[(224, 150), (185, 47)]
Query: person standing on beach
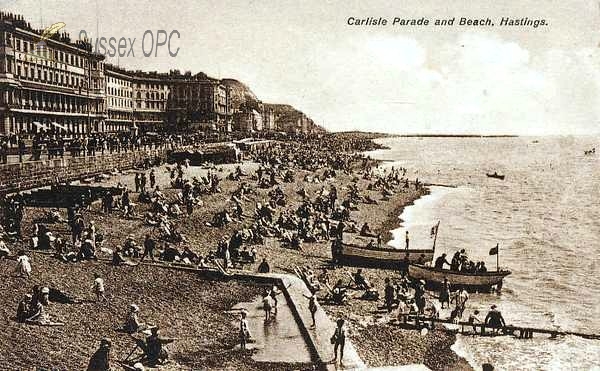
[(152, 179), (244, 330), (445, 293), (339, 340), (389, 294), (149, 246), (406, 238), (98, 287), (267, 306), (312, 307)]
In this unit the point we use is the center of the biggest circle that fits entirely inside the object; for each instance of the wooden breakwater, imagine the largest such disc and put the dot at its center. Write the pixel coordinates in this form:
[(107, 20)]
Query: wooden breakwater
[(482, 329)]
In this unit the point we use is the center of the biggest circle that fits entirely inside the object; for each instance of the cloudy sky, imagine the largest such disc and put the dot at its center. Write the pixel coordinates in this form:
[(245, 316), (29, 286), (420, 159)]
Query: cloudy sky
[(399, 79)]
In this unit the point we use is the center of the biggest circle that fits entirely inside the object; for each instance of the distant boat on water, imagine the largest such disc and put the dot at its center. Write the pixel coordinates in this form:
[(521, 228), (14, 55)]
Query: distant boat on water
[(495, 175)]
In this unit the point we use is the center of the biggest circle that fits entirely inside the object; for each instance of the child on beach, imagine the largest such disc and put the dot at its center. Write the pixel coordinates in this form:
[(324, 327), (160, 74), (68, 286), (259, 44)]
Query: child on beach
[(98, 287), (23, 268), (244, 330)]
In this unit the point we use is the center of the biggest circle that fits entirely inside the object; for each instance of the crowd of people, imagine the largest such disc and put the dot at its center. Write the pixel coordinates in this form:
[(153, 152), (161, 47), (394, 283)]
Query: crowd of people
[(460, 263), (56, 144), (324, 213)]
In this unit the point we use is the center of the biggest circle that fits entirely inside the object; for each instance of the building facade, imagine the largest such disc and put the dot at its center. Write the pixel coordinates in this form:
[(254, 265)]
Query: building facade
[(54, 85), (119, 99), (198, 102), (50, 85)]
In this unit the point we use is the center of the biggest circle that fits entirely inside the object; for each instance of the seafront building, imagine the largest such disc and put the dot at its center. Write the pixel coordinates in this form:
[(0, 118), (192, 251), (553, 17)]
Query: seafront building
[(53, 84)]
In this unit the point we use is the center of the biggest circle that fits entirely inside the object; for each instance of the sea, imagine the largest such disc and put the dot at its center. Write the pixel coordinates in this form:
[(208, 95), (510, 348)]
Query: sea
[(545, 218)]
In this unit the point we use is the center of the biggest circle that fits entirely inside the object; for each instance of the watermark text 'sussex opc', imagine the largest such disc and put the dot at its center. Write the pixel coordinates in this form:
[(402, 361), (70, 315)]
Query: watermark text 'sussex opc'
[(124, 46)]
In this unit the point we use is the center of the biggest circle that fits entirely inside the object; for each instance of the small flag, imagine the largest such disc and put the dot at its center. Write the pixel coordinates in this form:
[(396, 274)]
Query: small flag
[(494, 250), (433, 231)]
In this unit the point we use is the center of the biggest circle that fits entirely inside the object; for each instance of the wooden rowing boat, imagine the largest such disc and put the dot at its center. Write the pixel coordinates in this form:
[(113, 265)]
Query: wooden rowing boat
[(480, 282), (352, 254)]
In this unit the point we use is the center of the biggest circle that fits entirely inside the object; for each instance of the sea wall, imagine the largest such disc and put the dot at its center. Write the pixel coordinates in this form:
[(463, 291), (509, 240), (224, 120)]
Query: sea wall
[(33, 174)]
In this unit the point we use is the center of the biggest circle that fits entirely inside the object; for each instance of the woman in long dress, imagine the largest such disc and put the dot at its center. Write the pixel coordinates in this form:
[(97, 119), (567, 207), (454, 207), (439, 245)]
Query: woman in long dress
[(23, 265)]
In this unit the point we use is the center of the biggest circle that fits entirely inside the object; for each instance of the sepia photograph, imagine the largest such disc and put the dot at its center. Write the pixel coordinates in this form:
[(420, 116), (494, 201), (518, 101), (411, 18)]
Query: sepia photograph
[(289, 185)]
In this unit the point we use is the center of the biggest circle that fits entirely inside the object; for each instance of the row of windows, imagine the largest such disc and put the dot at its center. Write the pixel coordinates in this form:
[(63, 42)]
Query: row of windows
[(117, 81), (31, 71), (119, 102), (60, 56), (119, 92)]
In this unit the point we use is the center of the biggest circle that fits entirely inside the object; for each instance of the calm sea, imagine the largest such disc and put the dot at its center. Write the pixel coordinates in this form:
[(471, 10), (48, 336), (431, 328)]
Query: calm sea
[(546, 217)]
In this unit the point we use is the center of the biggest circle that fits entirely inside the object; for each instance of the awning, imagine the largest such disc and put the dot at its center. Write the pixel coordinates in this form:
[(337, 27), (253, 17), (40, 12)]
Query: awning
[(62, 127), (40, 125)]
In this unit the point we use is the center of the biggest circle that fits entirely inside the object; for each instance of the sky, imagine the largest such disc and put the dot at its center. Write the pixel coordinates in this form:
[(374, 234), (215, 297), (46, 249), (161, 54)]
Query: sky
[(395, 79)]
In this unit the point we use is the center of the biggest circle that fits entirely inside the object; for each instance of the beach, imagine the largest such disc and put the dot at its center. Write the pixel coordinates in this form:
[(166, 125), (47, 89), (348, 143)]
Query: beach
[(378, 343)]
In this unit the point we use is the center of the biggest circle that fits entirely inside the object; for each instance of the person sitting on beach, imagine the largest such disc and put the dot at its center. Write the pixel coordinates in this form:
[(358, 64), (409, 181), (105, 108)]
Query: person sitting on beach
[(360, 280), (132, 323), (118, 259), (339, 292), (155, 352), (130, 248), (23, 267), (263, 267), (365, 230), (23, 309), (100, 360)]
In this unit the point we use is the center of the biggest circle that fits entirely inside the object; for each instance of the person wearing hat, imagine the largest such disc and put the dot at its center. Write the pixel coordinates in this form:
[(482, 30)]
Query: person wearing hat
[(494, 319), (100, 360), (132, 323)]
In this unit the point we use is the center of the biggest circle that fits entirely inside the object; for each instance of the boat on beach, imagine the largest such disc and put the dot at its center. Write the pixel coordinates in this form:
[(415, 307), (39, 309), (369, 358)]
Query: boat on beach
[(356, 255), (495, 175), (472, 282)]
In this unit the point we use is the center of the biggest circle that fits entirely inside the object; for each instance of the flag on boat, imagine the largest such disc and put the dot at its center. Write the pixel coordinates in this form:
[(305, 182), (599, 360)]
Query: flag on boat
[(494, 250), (433, 231)]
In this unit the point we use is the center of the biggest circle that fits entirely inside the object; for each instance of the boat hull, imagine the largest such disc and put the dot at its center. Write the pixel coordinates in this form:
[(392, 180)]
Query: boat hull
[(473, 282), (356, 255)]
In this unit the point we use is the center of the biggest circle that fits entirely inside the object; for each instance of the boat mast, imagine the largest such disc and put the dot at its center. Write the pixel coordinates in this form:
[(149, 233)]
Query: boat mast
[(437, 227), (497, 257)]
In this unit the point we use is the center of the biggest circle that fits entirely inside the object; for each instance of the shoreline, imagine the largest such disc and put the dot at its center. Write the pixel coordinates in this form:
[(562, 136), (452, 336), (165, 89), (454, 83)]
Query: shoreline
[(383, 217), (446, 357)]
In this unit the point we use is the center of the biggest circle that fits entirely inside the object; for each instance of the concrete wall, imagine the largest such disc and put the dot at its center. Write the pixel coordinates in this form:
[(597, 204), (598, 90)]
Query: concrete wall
[(27, 175)]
